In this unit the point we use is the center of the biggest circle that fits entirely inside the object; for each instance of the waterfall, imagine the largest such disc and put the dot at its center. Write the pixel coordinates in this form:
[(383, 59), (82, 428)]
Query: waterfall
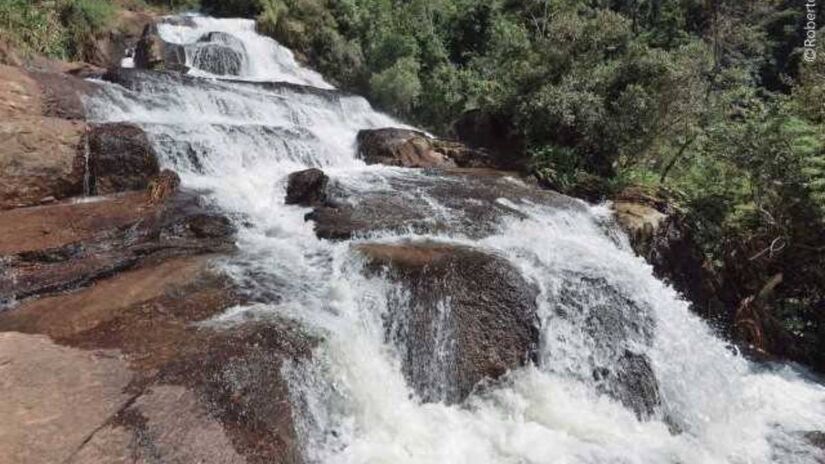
[(236, 138)]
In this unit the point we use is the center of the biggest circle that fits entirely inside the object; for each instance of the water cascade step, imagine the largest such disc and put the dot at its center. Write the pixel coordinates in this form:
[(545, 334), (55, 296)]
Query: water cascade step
[(610, 365)]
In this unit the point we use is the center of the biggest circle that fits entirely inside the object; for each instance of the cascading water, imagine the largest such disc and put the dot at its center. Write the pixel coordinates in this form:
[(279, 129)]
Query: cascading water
[(238, 139)]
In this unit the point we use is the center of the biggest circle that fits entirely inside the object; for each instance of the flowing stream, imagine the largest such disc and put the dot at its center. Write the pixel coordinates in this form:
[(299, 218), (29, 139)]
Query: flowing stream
[(236, 138)]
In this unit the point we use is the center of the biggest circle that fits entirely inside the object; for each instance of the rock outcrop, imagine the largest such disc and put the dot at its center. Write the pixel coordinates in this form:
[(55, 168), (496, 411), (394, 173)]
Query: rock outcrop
[(465, 315), (152, 52), (121, 158), (120, 41), (307, 188), (130, 374), (658, 232)]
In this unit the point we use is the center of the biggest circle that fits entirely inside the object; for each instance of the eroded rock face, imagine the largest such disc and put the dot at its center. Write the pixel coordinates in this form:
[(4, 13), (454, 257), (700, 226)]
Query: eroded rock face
[(121, 40), (307, 188), (121, 158), (68, 245), (461, 315)]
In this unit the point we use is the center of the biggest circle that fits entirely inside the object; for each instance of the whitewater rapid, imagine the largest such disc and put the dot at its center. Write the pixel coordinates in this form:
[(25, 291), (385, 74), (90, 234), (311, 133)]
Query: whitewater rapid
[(237, 142)]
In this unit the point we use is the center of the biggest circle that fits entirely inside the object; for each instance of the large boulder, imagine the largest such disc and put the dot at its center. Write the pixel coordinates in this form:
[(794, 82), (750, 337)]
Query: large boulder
[(120, 158), (461, 315), (400, 147), (124, 372), (307, 188), (152, 52), (41, 157)]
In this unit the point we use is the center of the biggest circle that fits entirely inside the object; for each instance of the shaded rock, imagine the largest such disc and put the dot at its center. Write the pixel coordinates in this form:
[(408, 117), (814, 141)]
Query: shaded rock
[(41, 154), (8, 55), (307, 188), (399, 147), (460, 316), (121, 158), (493, 138), (152, 52)]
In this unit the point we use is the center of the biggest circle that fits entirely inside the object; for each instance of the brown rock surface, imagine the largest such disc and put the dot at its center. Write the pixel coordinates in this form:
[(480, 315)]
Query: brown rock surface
[(54, 397), (40, 153)]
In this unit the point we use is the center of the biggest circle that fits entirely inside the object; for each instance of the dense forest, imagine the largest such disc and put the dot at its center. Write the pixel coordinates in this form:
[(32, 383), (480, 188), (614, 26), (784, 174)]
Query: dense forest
[(715, 105)]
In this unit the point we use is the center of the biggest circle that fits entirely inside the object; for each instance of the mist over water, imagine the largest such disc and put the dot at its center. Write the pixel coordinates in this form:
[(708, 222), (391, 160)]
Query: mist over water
[(237, 139)]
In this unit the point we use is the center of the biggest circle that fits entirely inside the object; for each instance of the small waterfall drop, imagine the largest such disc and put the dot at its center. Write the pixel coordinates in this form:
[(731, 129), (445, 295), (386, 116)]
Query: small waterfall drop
[(238, 138)]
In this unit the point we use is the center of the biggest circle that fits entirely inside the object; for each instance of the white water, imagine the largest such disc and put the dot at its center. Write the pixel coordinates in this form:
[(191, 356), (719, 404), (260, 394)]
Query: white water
[(238, 143)]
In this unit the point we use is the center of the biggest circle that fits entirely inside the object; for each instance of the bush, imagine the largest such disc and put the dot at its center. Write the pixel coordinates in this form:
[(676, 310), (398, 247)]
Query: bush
[(398, 86)]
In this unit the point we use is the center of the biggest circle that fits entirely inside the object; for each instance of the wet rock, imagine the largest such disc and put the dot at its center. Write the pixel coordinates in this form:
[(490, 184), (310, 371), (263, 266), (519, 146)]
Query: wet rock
[(64, 246), (307, 188), (477, 202), (153, 53), (614, 327), (400, 147), (217, 59), (41, 155), (121, 158), (460, 316)]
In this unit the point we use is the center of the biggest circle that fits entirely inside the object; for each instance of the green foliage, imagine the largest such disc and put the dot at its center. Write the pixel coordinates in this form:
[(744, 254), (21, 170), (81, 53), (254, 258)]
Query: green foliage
[(83, 20), (397, 86), (58, 28), (34, 29)]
